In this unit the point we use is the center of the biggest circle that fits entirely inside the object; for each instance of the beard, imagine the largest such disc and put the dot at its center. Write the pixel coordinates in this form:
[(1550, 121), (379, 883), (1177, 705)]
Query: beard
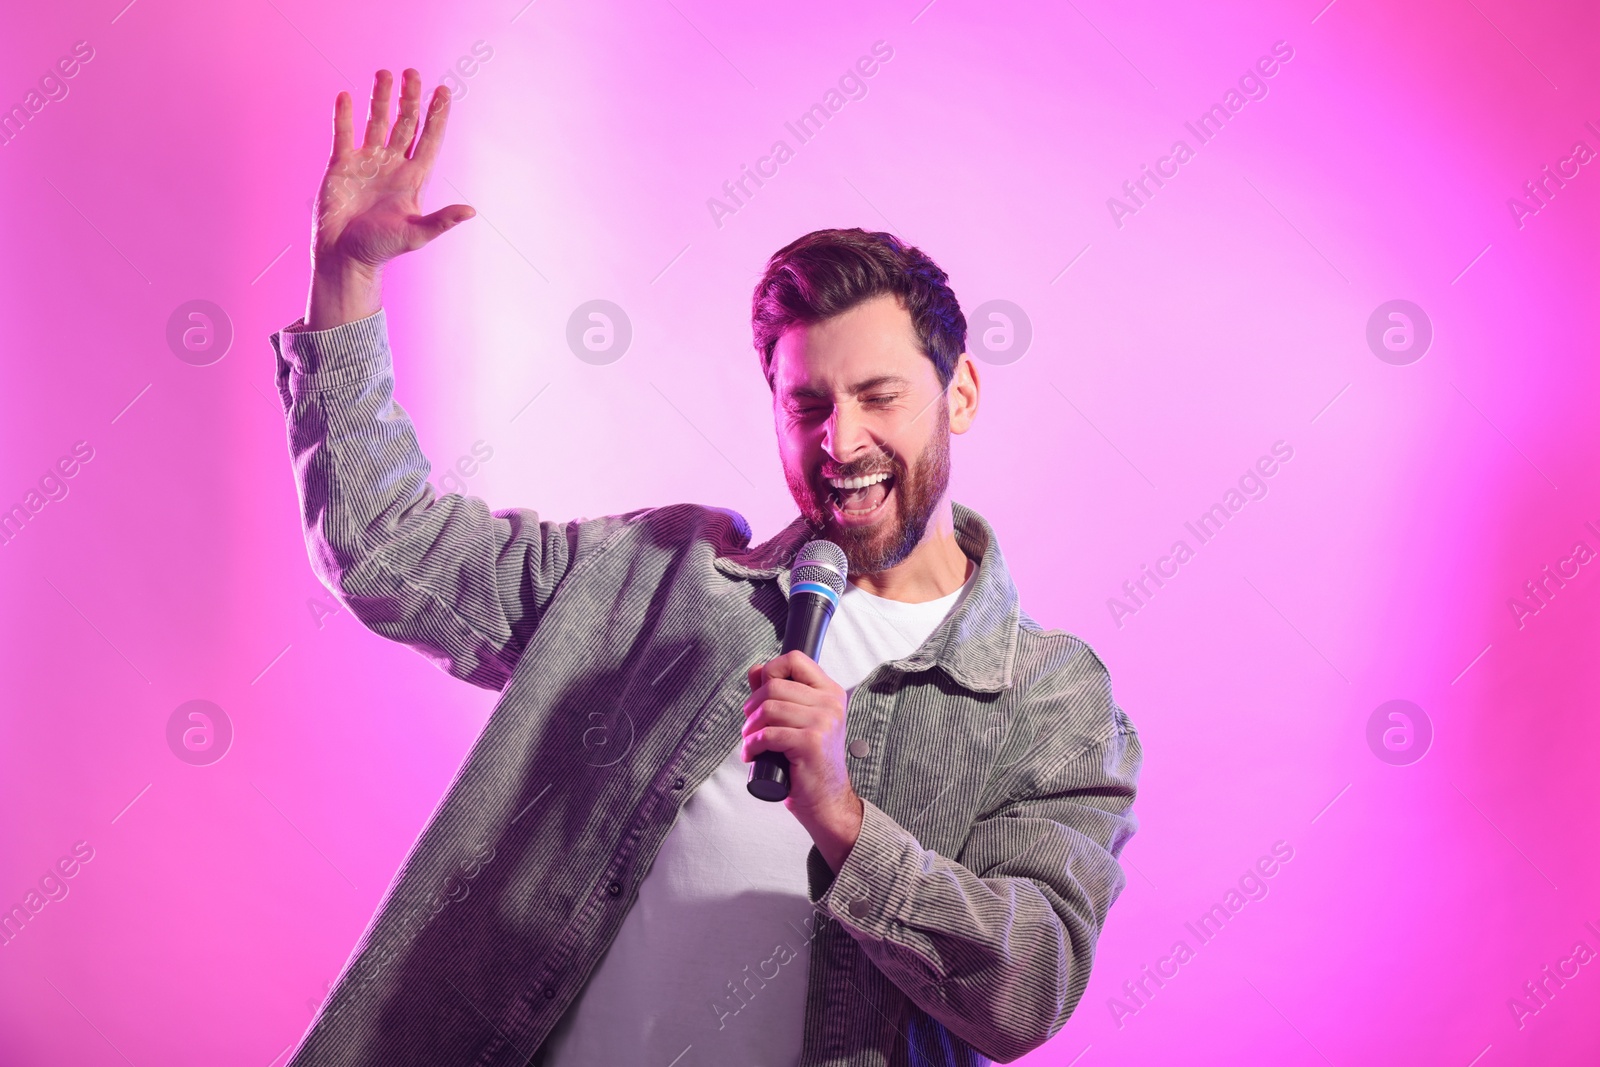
[(917, 490)]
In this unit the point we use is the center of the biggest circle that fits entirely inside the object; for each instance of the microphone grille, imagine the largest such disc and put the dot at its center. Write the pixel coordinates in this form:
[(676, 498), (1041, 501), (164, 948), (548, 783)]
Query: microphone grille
[(822, 562)]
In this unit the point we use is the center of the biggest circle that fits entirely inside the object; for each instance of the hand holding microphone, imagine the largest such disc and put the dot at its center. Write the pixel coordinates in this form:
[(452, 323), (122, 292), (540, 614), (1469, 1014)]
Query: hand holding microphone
[(795, 711)]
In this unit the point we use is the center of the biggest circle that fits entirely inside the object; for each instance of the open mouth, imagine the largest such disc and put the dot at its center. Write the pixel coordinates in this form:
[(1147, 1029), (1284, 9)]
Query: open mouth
[(860, 499)]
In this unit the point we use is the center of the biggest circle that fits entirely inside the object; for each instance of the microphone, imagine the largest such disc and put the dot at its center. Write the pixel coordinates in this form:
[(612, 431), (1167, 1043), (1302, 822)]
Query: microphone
[(815, 586)]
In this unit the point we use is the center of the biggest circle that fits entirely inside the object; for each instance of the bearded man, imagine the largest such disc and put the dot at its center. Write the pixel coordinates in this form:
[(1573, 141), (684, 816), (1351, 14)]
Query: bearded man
[(961, 780)]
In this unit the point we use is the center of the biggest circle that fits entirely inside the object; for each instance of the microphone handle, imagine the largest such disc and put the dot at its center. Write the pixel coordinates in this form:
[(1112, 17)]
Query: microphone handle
[(809, 615)]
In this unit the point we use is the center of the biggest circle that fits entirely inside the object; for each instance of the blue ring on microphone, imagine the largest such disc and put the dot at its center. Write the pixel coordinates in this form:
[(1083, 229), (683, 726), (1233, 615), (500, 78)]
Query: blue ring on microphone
[(816, 587)]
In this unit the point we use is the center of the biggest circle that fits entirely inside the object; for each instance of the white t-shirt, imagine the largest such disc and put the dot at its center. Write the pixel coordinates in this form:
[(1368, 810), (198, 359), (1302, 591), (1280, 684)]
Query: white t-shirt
[(711, 963)]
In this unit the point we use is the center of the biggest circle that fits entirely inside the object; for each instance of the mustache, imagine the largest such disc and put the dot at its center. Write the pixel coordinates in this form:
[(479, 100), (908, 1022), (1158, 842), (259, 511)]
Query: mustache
[(862, 467)]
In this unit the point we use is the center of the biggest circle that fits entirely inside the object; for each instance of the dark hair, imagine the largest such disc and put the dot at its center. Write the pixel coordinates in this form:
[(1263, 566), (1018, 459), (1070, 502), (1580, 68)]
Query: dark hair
[(828, 272)]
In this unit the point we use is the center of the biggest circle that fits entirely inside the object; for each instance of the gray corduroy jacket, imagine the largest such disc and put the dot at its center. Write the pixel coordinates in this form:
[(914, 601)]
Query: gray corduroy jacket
[(997, 772)]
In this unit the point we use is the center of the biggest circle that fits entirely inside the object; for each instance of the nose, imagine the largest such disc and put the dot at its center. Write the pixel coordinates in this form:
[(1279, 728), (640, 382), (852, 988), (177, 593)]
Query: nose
[(845, 435)]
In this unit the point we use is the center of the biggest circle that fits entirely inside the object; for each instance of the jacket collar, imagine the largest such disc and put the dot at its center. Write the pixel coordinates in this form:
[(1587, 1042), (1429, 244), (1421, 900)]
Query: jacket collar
[(976, 645)]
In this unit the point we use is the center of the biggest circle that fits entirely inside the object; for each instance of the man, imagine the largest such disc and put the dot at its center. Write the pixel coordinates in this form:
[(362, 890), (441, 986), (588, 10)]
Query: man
[(597, 887)]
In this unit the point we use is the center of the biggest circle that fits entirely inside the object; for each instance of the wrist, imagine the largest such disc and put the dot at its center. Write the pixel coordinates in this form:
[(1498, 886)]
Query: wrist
[(342, 291), (835, 830)]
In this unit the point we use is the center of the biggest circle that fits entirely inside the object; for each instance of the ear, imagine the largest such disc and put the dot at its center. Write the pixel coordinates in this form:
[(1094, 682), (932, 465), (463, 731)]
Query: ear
[(962, 395)]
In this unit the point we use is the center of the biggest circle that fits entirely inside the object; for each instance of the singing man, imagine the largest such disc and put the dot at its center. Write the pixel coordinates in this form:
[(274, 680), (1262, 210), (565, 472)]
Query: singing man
[(597, 887)]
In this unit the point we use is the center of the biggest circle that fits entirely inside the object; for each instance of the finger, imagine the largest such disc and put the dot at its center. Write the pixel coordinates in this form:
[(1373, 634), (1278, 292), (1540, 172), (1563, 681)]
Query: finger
[(799, 666), (783, 739), (433, 129), (783, 689), (378, 112), (427, 227), (755, 674), (778, 713), (410, 102), (343, 125)]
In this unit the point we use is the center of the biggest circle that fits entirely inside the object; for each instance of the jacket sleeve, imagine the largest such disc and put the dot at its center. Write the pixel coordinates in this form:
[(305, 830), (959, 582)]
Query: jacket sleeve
[(442, 573), (998, 945)]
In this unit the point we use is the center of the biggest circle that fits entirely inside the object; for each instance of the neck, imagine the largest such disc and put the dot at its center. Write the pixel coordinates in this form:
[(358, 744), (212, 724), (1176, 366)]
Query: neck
[(936, 567)]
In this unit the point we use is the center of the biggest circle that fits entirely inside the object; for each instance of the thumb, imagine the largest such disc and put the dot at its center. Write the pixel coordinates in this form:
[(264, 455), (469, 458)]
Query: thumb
[(430, 226)]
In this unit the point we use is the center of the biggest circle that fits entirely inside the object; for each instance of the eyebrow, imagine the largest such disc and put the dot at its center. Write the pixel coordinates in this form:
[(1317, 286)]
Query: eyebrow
[(806, 392)]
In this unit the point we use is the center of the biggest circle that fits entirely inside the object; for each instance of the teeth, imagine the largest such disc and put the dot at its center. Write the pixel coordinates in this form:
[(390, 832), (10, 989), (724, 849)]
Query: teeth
[(858, 483)]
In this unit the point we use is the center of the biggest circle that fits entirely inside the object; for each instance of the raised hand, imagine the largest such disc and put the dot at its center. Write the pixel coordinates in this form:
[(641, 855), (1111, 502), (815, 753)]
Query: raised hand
[(369, 209)]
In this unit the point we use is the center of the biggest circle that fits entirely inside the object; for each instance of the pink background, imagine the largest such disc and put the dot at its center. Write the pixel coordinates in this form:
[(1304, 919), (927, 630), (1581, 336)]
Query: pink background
[(1227, 314)]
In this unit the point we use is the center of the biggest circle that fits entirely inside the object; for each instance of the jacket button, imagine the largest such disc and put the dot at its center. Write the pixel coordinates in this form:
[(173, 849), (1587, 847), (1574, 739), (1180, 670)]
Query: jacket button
[(677, 783), (549, 993), (860, 749), (859, 908), (613, 889)]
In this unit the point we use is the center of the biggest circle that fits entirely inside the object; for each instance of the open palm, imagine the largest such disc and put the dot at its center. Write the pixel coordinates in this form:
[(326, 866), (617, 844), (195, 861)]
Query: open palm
[(370, 207)]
